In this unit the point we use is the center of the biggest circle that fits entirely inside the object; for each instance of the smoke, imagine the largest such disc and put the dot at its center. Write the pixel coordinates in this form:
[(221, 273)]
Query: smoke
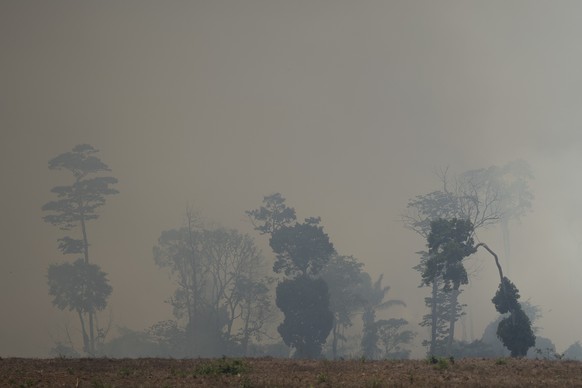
[(346, 108)]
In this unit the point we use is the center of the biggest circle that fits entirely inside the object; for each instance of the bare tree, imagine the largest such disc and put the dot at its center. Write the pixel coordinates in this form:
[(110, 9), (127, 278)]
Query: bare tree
[(222, 291)]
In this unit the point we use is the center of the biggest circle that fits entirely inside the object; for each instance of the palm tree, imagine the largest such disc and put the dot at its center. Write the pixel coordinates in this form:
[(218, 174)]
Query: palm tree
[(373, 295)]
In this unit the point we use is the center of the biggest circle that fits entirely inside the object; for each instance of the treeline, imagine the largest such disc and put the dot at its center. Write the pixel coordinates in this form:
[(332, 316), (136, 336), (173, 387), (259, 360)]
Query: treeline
[(309, 300), (228, 300)]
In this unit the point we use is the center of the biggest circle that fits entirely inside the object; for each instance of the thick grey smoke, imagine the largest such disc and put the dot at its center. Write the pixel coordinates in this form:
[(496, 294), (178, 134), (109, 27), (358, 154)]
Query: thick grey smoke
[(347, 108)]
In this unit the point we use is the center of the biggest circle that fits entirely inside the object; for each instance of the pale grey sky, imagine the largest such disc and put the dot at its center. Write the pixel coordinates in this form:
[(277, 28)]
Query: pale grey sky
[(346, 108)]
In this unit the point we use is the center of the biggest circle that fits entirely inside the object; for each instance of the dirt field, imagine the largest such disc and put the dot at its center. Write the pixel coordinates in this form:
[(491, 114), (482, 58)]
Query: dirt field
[(271, 372)]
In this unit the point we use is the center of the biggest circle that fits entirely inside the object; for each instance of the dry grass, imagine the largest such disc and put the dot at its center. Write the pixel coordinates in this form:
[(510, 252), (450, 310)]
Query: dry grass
[(271, 372)]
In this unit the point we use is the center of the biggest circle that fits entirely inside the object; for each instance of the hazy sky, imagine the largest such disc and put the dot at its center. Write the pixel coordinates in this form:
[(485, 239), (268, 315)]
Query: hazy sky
[(347, 108)]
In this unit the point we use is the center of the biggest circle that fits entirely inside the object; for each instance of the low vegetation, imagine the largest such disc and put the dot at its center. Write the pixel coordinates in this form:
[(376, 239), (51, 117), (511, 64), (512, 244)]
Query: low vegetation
[(275, 372)]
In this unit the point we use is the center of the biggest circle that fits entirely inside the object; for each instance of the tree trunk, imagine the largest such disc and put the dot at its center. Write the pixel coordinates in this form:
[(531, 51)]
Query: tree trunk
[(506, 244), (246, 335), (84, 331), (85, 241), (452, 319), (91, 313), (91, 334), (334, 338), (433, 312)]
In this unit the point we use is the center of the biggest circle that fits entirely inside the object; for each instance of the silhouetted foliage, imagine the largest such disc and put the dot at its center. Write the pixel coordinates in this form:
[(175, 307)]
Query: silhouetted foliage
[(574, 352), (302, 249), (373, 296), (506, 297), (393, 335), (76, 204), (449, 243), (484, 196), (273, 215), (78, 286), (222, 295), (344, 278), (308, 321), (515, 330), (516, 334), (442, 267)]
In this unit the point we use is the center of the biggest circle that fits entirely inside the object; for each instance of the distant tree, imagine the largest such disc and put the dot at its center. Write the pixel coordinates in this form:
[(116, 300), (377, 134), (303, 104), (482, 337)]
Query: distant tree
[(170, 339), (273, 215), (79, 287), (393, 336), (441, 304), (515, 331), (222, 291), (373, 295), (76, 204), (496, 347), (302, 251), (344, 277), (255, 309), (485, 197), (449, 243), (516, 199), (543, 348), (308, 321), (132, 344), (574, 352), (470, 196)]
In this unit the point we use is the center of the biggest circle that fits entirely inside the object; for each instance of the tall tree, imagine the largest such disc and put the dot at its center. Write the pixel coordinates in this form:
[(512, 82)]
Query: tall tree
[(221, 286), (76, 204), (449, 243), (440, 303), (484, 197), (302, 250)]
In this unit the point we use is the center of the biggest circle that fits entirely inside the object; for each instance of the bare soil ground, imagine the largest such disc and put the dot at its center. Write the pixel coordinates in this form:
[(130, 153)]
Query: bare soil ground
[(272, 372)]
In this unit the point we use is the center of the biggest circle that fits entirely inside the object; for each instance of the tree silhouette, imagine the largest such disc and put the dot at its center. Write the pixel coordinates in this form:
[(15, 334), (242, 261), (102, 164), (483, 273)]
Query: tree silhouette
[(79, 287), (374, 295), (308, 321), (449, 243), (76, 204), (302, 251), (515, 331)]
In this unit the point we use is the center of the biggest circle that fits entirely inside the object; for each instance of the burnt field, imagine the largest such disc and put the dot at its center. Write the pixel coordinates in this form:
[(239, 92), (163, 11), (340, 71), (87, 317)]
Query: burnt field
[(272, 372)]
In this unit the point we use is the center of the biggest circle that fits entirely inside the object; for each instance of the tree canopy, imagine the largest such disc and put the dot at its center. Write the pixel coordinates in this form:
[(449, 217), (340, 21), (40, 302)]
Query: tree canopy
[(308, 321), (302, 249), (80, 286)]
